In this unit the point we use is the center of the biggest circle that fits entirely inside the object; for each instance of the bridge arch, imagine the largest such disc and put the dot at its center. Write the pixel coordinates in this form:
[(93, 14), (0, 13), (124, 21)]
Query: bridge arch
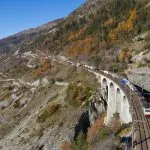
[(105, 89), (112, 100), (118, 100), (124, 102), (104, 81)]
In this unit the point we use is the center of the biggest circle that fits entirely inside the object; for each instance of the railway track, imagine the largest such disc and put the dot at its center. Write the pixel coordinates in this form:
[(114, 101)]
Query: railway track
[(141, 129), (141, 124), (148, 120)]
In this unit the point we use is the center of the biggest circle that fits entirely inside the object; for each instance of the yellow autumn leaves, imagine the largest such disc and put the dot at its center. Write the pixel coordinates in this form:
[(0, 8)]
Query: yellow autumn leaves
[(124, 26)]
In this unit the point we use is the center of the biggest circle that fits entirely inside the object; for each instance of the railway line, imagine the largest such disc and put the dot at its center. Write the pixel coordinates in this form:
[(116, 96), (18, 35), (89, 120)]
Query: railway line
[(141, 123)]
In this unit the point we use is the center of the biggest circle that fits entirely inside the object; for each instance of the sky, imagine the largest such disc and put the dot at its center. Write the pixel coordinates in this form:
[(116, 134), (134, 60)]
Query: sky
[(18, 15)]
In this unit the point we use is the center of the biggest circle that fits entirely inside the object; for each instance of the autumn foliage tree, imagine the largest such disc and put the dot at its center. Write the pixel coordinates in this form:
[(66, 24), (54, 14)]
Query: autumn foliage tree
[(125, 55), (73, 35), (112, 35), (94, 131), (108, 22), (46, 64), (65, 146), (82, 47), (124, 26)]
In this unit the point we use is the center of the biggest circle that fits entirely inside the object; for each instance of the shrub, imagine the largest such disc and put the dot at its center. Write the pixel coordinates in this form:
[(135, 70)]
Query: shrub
[(65, 146), (125, 55), (40, 70), (59, 79), (104, 133), (77, 94), (94, 131), (95, 61), (16, 104), (10, 88), (47, 112), (146, 60), (80, 143), (52, 81), (45, 92), (109, 21), (141, 65), (82, 47)]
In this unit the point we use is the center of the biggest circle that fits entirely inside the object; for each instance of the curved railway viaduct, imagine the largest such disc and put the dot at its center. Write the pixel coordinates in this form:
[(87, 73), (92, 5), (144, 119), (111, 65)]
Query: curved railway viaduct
[(121, 99), (127, 103)]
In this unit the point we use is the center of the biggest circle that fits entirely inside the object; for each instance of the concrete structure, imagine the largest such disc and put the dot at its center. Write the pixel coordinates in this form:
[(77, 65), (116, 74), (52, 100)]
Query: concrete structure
[(117, 101), (124, 100), (120, 100)]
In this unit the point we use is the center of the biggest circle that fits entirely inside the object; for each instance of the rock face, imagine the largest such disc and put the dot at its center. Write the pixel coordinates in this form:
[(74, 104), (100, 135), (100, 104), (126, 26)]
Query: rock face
[(140, 77), (97, 106), (82, 125)]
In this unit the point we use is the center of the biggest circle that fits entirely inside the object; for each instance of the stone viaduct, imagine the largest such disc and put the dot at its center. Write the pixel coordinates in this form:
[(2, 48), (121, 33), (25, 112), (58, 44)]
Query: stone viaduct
[(123, 101), (117, 101), (126, 102)]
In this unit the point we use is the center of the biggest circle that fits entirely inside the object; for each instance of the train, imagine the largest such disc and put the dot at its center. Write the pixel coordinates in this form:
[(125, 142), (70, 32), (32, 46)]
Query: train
[(143, 97), (146, 104), (146, 112)]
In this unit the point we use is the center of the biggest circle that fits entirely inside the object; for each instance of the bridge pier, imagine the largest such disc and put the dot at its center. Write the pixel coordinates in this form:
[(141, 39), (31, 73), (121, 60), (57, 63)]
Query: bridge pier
[(117, 101)]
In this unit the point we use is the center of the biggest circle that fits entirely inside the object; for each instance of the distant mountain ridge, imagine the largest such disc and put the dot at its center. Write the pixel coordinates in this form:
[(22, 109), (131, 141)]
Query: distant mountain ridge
[(90, 33), (9, 43)]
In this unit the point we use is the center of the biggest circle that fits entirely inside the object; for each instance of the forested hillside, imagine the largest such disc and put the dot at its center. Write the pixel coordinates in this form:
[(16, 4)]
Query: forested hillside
[(98, 32)]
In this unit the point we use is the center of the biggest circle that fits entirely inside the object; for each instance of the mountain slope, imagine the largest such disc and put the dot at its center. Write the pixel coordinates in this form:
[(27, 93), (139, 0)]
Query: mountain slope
[(42, 96), (10, 43), (97, 28)]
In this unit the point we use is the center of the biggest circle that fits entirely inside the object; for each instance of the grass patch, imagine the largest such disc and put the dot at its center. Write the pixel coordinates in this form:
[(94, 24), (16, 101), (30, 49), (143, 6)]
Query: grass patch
[(141, 65), (77, 94), (5, 95), (80, 143), (38, 132), (104, 133), (48, 112), (123, 128), (16, 104)]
